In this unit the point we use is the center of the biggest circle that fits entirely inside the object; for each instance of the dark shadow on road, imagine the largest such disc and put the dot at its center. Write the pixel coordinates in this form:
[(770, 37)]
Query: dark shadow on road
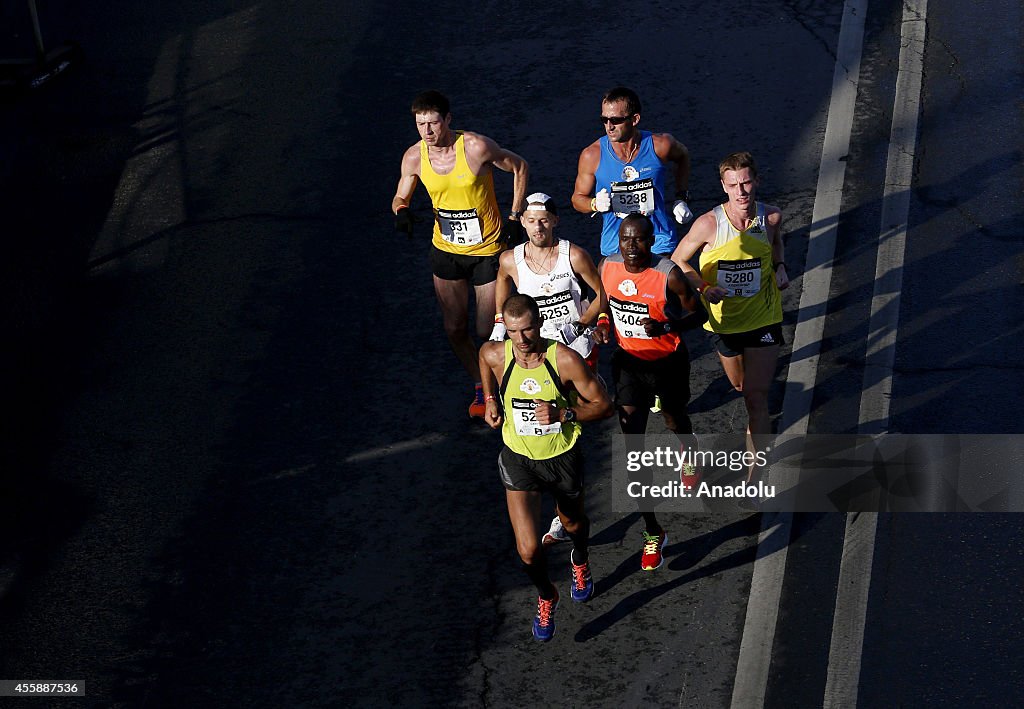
[(693, 549)]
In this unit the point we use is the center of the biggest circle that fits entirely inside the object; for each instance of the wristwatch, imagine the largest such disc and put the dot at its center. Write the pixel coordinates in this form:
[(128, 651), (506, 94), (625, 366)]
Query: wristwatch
[(514, 215), (568, 415)]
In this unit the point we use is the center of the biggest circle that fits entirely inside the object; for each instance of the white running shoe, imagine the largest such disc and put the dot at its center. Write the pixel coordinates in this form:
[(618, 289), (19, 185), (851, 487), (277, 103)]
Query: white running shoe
[(556, 533)]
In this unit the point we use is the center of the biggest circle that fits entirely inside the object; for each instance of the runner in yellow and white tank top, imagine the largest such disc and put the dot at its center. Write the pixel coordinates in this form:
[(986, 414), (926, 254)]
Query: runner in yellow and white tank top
[(456, 167), (740, 261), (742, 273)]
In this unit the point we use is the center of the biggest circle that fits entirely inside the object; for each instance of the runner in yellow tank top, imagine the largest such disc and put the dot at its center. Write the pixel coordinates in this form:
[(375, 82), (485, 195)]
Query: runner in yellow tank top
[(742, 273), (468, 234), (466, 216), (531, 386)]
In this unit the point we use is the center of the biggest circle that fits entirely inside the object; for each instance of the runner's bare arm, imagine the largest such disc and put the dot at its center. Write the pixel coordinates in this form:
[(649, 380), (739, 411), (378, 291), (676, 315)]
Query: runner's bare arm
[(503, 285), (584, 266), (573, 370), (492, 366), (695, 317), (409, 179), (678, 284), (701, 234), (603, 331), (481, 150), (774, 219), (506, 279), (671, 150), (586, 179)]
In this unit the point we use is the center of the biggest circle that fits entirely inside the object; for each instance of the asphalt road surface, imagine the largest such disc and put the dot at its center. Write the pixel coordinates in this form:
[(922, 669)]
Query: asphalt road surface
[(237, 469)]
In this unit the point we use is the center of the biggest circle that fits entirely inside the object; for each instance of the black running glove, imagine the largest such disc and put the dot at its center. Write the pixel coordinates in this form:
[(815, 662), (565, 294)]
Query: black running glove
[(513, 233), (404, 220)]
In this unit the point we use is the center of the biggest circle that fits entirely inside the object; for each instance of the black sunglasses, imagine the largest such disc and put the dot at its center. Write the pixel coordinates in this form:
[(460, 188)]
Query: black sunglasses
[(616, 120)]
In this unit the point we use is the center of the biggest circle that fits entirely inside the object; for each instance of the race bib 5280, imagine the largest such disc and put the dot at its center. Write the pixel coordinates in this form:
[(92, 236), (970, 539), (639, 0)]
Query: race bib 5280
[(741, 278)]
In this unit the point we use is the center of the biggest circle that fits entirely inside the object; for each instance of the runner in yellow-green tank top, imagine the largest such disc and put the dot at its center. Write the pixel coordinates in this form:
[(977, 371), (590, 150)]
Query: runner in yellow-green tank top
[(537, 391)]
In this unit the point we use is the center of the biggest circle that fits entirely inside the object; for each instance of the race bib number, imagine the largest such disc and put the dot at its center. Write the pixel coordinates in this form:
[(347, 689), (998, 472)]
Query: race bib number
[(525, 419), (627, 317), (460, 227), (741, 278), (556, 310), (636, 196)]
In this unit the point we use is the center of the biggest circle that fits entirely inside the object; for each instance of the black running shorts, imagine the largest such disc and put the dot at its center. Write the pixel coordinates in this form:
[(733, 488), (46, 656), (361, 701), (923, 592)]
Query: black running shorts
[(561, 475), (478, 270), (637, 381), (734, 344)]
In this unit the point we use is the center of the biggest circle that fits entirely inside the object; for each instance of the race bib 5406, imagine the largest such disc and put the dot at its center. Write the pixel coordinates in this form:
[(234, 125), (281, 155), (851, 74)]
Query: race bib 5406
[(628, 316)]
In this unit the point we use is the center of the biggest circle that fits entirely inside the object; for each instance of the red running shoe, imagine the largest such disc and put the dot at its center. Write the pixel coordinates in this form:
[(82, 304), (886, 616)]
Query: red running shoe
[(652, 557)]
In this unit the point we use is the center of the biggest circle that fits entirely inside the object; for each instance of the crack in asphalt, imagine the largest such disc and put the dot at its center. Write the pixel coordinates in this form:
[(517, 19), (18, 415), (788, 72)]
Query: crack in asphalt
[(796, 14), (498, 619)]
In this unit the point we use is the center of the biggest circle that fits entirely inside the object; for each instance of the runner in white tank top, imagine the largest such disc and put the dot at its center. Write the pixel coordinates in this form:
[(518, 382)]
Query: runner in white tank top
[(550, 270)]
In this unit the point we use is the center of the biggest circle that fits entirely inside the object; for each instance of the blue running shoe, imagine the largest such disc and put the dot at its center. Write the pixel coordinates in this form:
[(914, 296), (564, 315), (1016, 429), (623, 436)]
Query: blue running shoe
[(582, 583), (544, 623)]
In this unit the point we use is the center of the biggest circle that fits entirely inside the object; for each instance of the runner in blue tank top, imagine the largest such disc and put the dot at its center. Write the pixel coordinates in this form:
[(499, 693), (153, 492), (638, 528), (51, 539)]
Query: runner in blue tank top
[(625, 171)]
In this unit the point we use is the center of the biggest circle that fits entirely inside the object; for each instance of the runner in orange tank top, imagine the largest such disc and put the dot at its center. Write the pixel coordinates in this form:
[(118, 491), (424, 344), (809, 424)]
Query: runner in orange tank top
[(651, 304)]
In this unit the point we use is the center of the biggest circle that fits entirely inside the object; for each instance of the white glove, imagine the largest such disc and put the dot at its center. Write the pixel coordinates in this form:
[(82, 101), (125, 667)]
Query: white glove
[(570, 331), (498, 333), (681, 212), (603, 201)]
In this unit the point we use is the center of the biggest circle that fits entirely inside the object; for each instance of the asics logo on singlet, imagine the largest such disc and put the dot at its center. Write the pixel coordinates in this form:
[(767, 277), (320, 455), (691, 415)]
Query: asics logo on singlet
[(557, 276)]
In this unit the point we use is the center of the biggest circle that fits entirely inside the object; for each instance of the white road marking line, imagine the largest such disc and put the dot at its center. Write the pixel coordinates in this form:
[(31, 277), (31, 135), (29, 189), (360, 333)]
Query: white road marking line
[(769, 568), (847, 643), (424, 441)]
